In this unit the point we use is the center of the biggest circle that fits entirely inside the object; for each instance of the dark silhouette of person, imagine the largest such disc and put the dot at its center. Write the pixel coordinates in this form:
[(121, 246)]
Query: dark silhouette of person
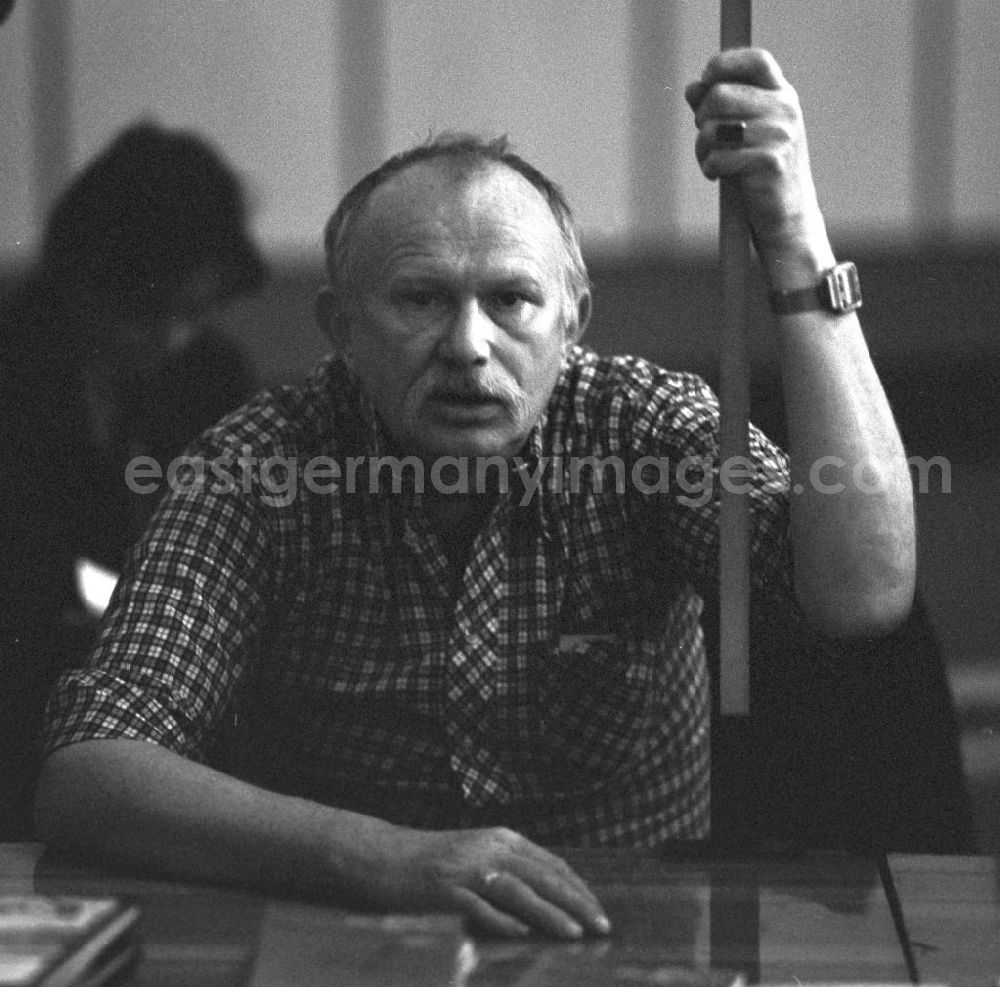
[(109, 350)]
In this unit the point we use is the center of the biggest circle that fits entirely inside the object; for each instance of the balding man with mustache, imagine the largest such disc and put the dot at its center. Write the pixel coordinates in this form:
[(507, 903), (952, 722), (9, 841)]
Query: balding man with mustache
[(450, 602)]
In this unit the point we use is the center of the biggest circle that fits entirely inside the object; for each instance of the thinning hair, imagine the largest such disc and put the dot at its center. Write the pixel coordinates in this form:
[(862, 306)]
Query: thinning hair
[(467, 153)]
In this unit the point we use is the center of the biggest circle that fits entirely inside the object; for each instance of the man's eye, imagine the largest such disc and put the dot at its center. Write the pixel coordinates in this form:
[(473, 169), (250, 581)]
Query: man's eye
[(509, 299), (421, 297)]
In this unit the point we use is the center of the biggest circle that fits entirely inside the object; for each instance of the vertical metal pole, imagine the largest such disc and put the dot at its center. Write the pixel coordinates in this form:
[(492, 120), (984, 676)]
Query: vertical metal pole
[(50, 37), (362, 27), (734, 395), (933, 127), (654, 118), (735, 738)]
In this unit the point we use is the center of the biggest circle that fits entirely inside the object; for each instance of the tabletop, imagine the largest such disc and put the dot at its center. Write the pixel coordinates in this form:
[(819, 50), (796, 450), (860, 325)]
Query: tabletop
[(678, 920)]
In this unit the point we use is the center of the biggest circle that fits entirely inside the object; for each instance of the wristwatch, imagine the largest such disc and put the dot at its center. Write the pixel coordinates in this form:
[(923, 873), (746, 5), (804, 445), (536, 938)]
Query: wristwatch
[(839, 291)]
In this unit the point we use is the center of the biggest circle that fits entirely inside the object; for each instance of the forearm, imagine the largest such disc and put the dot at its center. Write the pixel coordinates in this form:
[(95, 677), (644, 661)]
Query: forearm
[(138, 804), (852, 504)]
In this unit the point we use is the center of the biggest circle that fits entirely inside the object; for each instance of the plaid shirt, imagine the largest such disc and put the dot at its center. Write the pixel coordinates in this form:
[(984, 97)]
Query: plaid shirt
[(558, 686)]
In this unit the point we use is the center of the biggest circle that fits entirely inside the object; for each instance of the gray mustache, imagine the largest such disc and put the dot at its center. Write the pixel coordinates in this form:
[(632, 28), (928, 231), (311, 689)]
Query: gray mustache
[(489, 388), (478, 390), (467, 394)]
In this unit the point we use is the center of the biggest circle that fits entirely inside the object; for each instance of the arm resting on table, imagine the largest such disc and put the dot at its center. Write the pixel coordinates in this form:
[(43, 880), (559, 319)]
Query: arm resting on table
[(134, 803)]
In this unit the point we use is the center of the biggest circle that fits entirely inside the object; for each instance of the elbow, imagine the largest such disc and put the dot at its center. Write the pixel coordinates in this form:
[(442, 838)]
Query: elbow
[(68, 803), (53, 803), (873, 604)]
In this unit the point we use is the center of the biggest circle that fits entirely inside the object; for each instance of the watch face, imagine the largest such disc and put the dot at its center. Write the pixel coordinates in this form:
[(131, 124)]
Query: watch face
[(844, 285)]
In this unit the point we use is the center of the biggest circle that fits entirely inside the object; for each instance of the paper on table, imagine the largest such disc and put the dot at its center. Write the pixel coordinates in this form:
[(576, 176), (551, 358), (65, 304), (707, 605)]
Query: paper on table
[(303, 945), (58, 941)]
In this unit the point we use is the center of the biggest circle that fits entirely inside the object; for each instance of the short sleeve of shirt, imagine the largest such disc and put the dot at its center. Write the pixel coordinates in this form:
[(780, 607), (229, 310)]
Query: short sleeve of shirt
[(180, 629), (669, 427)]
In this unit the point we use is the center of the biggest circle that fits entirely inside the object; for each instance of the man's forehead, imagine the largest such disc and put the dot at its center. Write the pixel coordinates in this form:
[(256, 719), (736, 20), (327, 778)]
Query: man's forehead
[(442, 191)]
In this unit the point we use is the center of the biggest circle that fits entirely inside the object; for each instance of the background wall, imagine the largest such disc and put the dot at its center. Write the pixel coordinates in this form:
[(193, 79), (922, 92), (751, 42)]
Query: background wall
[(899, 95)]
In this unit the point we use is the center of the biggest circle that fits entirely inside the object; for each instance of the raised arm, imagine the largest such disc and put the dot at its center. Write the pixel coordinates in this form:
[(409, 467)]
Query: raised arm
[(852, 517)]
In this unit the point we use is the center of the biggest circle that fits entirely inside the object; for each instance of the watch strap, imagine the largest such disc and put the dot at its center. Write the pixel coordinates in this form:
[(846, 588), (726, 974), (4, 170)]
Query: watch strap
[(839, 291)]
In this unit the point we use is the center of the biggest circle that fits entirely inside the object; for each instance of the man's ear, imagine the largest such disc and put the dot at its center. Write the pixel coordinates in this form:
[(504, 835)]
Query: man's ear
[(578, 326), (332, 319)]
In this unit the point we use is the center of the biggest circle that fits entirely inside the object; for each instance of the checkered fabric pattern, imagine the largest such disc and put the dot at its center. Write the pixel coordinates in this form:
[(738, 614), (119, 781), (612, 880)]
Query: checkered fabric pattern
[(558, 685)]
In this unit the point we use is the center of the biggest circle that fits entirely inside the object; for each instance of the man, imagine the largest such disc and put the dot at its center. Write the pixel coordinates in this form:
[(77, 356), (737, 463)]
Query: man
[(432, 681)]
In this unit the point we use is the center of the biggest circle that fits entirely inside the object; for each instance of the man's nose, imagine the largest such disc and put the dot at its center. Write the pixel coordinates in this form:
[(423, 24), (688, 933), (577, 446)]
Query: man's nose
[(470, 335)]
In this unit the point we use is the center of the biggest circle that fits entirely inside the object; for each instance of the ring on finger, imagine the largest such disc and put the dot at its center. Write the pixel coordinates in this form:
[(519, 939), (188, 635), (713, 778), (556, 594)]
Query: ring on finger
[(490, 878), (731, 131)]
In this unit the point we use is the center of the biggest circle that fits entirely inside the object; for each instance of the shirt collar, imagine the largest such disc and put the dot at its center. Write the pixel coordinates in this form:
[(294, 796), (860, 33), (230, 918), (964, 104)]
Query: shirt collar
[(360, 430)]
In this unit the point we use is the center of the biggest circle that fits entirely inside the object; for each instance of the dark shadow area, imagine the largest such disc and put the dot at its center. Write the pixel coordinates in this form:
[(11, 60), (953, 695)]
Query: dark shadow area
[(851, 745), (111, 349)]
